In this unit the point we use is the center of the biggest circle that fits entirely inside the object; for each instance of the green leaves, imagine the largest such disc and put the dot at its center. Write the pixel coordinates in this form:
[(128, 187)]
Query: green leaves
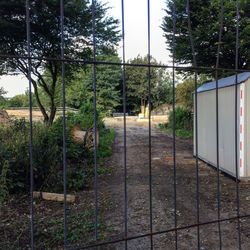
[(138, 84), (108, 78), (46, 42), (205, 22)]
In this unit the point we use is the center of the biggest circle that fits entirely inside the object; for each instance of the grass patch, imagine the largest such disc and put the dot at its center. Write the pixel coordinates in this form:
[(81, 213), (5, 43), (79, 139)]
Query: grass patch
[(107, 138), (181, 133), (81, 229)]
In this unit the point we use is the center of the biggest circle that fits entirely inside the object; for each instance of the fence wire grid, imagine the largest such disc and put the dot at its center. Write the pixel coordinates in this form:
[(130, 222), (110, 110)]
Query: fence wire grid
[(194, 68)]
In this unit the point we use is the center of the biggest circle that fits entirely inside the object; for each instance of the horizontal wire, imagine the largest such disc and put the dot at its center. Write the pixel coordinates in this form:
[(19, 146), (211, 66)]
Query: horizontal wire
[(80, 61), (161, 232)]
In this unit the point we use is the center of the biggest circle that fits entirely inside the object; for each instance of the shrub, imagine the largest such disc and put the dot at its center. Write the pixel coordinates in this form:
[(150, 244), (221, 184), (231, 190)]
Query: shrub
[(4, 192), (48, 154), (85, 117), (183, 119)]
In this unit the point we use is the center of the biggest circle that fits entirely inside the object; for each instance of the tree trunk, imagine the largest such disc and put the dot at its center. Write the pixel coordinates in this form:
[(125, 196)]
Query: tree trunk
[(41, 107), (52, 113)]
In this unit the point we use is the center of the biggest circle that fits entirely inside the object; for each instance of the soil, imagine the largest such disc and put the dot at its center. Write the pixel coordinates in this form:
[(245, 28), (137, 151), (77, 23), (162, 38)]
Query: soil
[(138, 204), (111, 199)]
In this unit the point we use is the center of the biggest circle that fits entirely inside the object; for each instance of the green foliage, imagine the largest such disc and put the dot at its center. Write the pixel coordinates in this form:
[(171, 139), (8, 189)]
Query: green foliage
[(108, 78), (4, 192), (183, 133), (162, 93), (48, 155), (183, 119), (186, 89), (183, 123), (85, 117), (44, 24), (106, 142), (21, 100), (205, 17), (137, 85), (81, 228)]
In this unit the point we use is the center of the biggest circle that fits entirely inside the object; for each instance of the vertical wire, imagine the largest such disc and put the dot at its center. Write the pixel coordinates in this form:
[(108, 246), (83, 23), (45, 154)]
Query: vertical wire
[(217, 123), (174, 126), (236, 123), (124, 129), (31, 127), (149, 126), (196, 127), (65, 224), (95, 114)]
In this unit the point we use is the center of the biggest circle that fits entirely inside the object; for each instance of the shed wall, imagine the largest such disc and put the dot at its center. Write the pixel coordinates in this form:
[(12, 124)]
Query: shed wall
[(247, 129), (207, 128)]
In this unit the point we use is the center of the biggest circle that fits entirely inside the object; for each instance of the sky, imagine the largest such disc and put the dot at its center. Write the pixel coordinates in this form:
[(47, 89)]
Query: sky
[(136, 28), (135, 37)]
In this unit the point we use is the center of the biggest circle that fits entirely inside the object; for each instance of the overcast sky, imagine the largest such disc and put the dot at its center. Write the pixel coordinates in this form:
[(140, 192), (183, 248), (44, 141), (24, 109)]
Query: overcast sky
[(135, 36), (136, 27)]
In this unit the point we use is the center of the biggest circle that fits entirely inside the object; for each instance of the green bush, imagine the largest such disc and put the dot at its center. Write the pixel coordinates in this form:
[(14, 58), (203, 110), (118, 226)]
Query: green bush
[(85, 117), (183, 119), (48, 154), (4, 192), (183, 123)]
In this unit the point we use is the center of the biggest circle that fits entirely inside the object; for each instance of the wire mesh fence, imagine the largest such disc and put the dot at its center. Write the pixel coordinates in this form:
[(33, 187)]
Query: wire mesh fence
[(153, 234)]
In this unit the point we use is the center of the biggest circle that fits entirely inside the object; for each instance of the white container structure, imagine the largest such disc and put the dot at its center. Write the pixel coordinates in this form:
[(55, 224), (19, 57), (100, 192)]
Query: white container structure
[(206, 124)]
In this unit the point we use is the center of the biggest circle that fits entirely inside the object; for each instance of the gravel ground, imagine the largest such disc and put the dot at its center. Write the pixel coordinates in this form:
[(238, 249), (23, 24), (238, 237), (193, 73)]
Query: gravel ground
[(14, 217), (138, 205)]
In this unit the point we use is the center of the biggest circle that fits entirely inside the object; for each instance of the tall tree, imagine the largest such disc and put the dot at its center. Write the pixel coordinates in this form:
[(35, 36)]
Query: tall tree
[(162, 92), (205, 23), (45, 41), (185, 90), (108, 78), (137, 84)]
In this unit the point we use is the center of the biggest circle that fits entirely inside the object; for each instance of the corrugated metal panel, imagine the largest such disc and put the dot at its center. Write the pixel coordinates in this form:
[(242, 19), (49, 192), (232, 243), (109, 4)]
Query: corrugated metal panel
[(224, 82)]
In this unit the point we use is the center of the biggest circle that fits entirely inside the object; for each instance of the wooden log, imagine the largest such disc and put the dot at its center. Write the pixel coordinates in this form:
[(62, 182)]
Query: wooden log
[(54, 197), (84, 137)]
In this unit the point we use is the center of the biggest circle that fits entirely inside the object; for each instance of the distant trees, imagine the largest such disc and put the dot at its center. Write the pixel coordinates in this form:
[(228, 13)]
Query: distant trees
[(21, 100), (186, 89), (45, 41), (108, 80), (137, 84)]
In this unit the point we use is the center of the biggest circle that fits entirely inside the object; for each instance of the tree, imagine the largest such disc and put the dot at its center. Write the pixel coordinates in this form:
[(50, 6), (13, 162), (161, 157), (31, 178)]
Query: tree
[(162, 93), (186, 89), (137, 85), (108, 78), (45, 41), (205, 24), (21, 100)]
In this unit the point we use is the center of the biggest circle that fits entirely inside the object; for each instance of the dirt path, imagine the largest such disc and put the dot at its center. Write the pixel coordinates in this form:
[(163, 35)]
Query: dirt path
[(163, 194), (14, 216)]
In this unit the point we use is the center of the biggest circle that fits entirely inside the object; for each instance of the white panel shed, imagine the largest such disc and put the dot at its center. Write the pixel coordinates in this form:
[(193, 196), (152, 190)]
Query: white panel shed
[(206, 118)]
